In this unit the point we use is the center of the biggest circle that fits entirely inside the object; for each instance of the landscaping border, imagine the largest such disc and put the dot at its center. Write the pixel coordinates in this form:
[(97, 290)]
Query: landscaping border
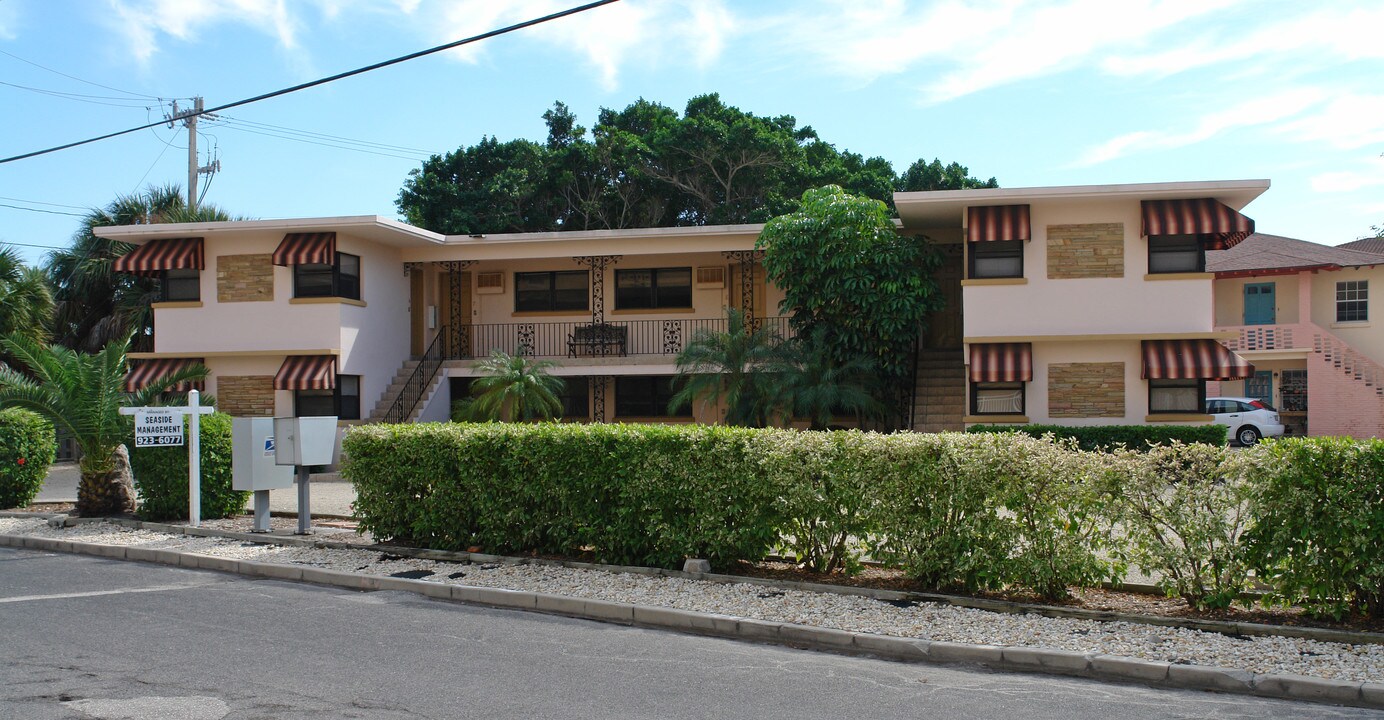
[(1020, 659)]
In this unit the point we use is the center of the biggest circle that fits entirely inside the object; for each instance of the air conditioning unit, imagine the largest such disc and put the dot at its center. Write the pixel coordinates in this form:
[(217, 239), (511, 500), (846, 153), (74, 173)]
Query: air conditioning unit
[(711, 277), (490, 283)]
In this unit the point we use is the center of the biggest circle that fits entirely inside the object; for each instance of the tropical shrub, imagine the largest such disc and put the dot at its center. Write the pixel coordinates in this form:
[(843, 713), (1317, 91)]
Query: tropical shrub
[(1318, 539), (1107, 437), (827, 496), (1183, 511), (27, 447), (161, 475)]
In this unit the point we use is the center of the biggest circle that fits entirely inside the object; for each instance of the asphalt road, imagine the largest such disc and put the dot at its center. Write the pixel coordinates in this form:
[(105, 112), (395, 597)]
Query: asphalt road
[(90, 638)]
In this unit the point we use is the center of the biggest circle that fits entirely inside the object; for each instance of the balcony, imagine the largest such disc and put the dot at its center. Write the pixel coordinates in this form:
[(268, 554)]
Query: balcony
[(1255, 338), (584, 339)]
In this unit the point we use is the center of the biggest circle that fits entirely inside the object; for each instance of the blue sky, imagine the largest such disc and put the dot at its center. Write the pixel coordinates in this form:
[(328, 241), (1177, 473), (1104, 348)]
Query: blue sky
[(1034, 93)]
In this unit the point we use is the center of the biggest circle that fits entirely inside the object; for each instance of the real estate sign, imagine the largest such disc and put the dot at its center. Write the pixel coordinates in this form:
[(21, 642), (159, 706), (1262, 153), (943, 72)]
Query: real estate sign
[(156, 427)]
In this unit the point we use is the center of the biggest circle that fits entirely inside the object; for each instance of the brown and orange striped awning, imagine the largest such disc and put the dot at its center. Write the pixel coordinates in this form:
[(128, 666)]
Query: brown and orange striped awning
[(306, 249), (1219, 227), (306, 372), (1193, 360), (144, 372), (1001, 362), (164, 254), (998, 222)]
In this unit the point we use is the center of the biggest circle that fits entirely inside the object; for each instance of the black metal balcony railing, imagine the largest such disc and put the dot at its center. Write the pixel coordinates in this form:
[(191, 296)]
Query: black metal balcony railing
[(618, 338)]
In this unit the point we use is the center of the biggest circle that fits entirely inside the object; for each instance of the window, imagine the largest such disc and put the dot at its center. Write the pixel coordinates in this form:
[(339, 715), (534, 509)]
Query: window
[(1176, 254), (1177, 396), (343, 402), (180, 285), (997, 398), (646, 396), (1292, 385), (653, 288), (1352, 301), (996, 259), (341, 279), (549, 291), (1260, 387), (576, 398)]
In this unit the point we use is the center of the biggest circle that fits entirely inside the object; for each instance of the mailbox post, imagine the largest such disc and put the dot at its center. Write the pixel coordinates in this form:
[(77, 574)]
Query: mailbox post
[(301, 442)]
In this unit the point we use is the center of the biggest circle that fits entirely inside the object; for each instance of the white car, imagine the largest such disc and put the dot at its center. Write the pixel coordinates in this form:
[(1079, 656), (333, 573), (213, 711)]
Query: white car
[(1246, 419)]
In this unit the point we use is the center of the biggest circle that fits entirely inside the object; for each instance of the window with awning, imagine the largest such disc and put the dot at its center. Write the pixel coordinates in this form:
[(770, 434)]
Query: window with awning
[(1193, 360), (1216, 225), (144, 372), (997, 223), (306, 249), (157, 256), (999, 373), (306, 372)]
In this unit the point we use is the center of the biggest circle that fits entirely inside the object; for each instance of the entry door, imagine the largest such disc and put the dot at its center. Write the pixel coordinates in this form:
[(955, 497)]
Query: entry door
[(1260, 386), (1259, 304)]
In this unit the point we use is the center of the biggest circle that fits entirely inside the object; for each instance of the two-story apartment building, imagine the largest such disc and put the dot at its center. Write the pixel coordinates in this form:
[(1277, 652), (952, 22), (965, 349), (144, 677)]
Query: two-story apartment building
[(1073, 305), (1303, 313)]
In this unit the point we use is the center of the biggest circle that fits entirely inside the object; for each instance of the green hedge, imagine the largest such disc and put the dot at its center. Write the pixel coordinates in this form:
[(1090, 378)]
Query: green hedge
[(161, 475), (1319, 536), (1106, 437), (27, 447)]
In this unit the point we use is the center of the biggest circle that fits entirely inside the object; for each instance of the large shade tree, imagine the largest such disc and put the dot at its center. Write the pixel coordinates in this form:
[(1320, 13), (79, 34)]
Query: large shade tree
[(82, 395), (647, 165), (96, 306)]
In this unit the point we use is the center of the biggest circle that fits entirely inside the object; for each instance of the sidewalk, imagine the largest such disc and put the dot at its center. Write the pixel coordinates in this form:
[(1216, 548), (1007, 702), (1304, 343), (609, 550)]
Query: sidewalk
[(329, 494)]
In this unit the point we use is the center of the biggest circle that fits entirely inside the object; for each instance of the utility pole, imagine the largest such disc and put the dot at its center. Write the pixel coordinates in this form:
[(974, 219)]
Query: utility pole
[(189, 118)]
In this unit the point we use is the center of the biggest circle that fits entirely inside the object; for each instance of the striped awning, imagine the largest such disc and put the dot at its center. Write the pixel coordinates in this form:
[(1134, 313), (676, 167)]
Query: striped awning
[(1193, 360), (164, 254), (306, 249), (1220, 227), (144, 372), (1001, 362), (306, 372), (998, 222)]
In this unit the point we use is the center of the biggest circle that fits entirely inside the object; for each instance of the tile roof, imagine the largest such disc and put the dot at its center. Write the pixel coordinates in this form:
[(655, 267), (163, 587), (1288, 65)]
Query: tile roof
[(1369, 245), (1261, 251)]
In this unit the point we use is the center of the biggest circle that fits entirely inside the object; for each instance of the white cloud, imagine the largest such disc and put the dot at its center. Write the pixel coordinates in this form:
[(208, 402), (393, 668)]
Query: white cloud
[(1258, 111), (606, 37), (9, 19), (1370, 175), (1348, 121), (142, 22)]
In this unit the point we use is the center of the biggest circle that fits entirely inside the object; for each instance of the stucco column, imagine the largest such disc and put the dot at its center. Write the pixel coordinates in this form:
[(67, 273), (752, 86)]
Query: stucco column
[(1305, 297)]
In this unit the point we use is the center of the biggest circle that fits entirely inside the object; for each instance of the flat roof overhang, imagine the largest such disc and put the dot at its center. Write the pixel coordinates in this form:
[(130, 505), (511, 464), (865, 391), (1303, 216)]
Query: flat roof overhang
[(947, 208), (370, 227)]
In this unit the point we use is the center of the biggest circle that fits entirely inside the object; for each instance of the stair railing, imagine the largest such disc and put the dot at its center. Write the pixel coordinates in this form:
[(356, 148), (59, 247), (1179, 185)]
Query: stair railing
[(418, 383), (1350, 361)]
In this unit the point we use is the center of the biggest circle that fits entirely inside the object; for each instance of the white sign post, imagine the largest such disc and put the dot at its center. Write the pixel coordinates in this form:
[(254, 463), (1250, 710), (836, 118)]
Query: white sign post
[(163, 427)]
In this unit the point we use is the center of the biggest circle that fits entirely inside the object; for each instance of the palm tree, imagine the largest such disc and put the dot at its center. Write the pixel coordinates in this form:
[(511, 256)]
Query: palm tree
[(819, 385), (96, 306), (730, 367), (82, 394), (512, 387), (25, 302)]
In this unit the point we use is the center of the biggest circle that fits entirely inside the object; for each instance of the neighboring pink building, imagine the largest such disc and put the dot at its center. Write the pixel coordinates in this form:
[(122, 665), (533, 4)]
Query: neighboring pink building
[(1303, 313)]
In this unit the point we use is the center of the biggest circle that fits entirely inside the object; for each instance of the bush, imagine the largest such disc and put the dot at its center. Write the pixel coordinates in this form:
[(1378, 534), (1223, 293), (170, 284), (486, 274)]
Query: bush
[(1108, 437), (27, 447), (1183, 510), (161, 475), (632, 494), (1319, 534), (826, 494)]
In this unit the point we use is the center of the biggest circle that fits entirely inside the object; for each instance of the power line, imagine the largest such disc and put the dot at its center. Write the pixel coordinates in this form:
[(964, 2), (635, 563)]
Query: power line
[(338, 76), (310, 133), (40, 202), (74, 77), (40, 210), (30, 245), (324, 144), (93, 99)]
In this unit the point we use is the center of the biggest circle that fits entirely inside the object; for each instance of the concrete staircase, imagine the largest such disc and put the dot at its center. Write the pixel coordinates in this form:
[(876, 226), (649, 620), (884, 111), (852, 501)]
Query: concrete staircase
[(940, 400), (396, 386)]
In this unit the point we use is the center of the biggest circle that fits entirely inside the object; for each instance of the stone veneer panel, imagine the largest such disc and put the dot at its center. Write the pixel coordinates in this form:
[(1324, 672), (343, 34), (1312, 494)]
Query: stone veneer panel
[(244, 278), (1086, 251), (245, 395), (1086, 390)]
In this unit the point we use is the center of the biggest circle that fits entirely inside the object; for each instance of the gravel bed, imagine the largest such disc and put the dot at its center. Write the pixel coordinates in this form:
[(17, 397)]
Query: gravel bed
[(1364, 662)]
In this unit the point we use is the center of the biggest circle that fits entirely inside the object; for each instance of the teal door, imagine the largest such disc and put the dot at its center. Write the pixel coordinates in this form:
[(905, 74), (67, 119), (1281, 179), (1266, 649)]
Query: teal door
[(1259, 302)]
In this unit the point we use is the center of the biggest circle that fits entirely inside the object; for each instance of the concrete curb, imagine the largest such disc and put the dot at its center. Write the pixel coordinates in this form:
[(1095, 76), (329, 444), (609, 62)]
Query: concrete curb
[(1004, 606), (1013, 659)]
